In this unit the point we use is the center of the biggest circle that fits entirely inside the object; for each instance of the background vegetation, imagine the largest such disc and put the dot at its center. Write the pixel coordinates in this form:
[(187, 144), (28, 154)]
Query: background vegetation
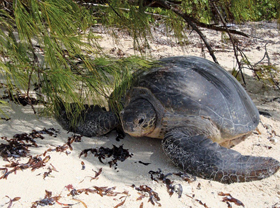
[(47, 49)]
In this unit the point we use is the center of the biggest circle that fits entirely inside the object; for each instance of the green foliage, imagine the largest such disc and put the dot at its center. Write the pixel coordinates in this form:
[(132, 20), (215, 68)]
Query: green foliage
[(47, 44), (266, 9), (268, 73)]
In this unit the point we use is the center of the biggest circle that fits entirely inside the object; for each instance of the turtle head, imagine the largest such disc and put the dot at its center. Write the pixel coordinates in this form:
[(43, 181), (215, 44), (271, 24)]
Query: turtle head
[(139, 118)]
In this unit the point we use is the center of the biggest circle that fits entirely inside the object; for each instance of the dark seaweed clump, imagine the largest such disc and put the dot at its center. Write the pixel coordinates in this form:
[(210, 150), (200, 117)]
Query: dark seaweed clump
[(117, 154)]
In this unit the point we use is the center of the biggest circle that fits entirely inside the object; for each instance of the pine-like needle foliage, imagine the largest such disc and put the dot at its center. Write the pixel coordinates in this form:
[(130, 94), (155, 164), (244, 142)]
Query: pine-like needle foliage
[(47, 46)]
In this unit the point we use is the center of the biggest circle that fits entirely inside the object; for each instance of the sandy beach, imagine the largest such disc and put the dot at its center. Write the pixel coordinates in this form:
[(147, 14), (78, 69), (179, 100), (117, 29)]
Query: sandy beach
[(66, 180)]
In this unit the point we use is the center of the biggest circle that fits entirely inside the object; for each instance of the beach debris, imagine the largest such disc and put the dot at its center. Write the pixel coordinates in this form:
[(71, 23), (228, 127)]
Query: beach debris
[(186, 177), (66, 146), (144, 163), (120, 134), (5, 119), (263, 145), (83, 165), (102, 191), (49, 200), (169, 184), (14, 94), (21, 99), (13, 148), (153, 196), (33, 163), (18, 146), (83, 203), (272, 133), (10, 203), (120, 204), (228, 198), (277, 205), (50, 169), (73, 138), (97, 173), (117, 154), (199, 201)]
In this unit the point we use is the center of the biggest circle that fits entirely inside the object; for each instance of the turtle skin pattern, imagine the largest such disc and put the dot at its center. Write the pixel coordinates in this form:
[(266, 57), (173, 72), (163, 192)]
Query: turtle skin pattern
[(202, 157)]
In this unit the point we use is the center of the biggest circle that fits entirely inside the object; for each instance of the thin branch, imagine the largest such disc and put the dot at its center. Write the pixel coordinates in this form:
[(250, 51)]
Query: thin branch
[(231, 39), (217, 28), (124, 9), (186, 17), (163, 3), (35, 63), (250, 66), (269, 64)]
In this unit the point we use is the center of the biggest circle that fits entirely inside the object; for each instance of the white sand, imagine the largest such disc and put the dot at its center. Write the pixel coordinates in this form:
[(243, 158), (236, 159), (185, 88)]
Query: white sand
[(30, 185)]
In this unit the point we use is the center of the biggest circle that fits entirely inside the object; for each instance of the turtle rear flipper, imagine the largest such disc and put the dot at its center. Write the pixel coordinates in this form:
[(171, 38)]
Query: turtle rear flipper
[(92, 121), (201, 157)]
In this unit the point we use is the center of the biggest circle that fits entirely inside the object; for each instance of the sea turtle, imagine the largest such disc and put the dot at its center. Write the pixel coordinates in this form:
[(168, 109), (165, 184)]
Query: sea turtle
[(198, 110)]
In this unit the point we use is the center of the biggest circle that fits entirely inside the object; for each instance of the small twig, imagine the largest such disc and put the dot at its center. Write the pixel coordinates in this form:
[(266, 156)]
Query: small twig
[(35, 62), (125, 9), (269, 64), (265, 54), (251, 67), (231, 39)]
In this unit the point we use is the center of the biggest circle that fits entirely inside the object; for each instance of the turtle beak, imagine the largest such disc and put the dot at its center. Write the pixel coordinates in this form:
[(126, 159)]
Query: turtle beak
[(127, 123)]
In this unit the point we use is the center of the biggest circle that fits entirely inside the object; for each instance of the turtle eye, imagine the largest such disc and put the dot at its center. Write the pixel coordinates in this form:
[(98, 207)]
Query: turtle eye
[(140, 120)]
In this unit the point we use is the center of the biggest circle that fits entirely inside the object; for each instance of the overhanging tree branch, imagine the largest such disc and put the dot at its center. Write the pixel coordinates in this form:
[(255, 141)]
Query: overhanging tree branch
[(167, 5), (231, 39)]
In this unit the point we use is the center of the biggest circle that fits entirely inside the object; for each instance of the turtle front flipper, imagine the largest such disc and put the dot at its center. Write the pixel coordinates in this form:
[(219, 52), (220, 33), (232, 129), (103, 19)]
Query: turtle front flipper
[(92, 121), (204, 158)]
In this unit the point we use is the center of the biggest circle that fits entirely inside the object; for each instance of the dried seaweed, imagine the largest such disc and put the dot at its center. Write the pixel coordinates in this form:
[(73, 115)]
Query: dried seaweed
[(199, 201), (94, 177), (102, 191), (48, 200), (186, 177), (74, 138), (66, 146), (19, 144), (50, 169), (143, 163), (5, 119), (117, 154), (21, 99), (96, 174), (11, 201), (83, 165), (33, 163), (169, 184), (228, 198), (13, 148), (120, 134), (153, 196), (120, 204)]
